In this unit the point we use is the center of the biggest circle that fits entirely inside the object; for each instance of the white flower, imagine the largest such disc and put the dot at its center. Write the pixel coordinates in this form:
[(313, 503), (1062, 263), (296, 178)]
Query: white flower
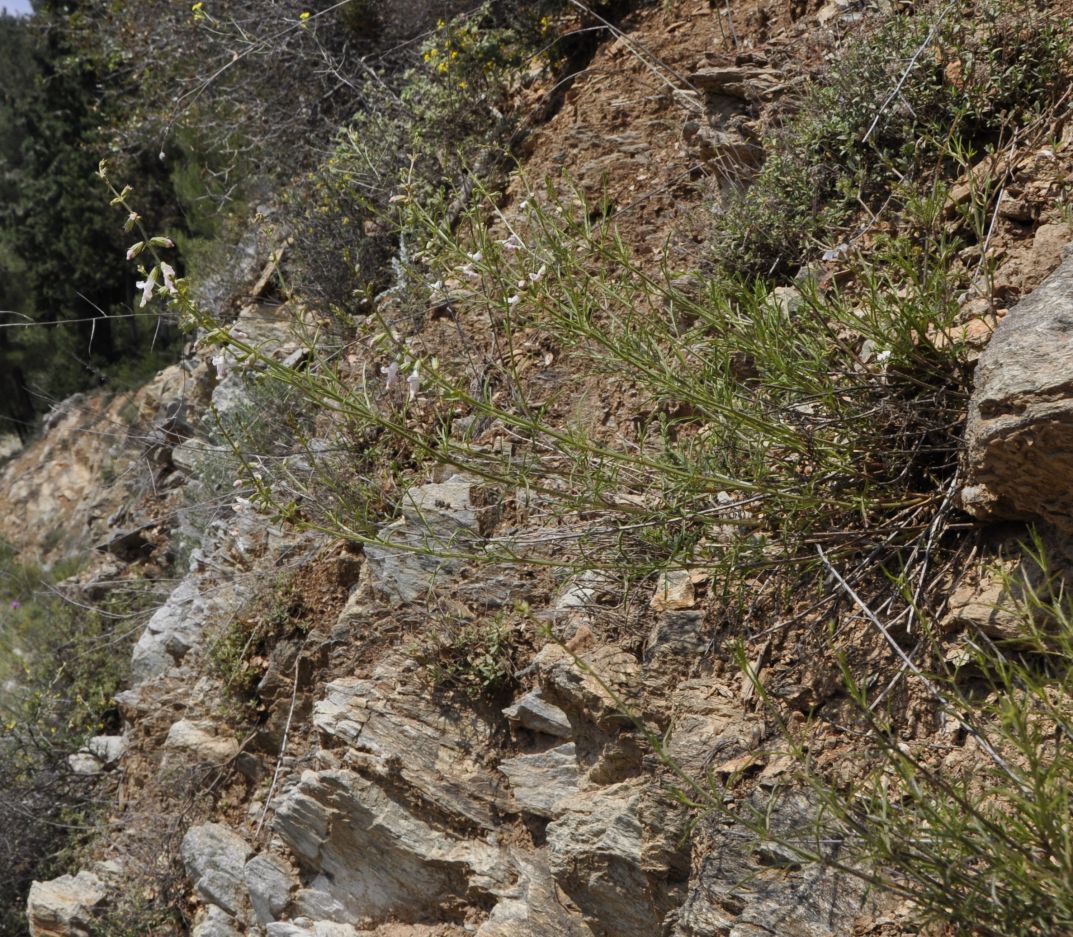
[(147, 286), (539, 275), (524, 204), (476, 257), (436, 287), (222, 362), (512, 243), (169, 278), (414, 380), (883, 356), (391, 375), (514, 300)]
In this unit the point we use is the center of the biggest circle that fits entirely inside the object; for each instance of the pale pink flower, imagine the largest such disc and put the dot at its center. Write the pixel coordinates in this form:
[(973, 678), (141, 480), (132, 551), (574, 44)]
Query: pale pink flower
[(169, 278), (147, 286)]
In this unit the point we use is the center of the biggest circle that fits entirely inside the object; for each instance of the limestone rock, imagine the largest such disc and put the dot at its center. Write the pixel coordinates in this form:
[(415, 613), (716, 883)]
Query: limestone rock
[(375, 857), (746, 82), (269, 883), (674, 590), (541, 782), (676, 634), (987, 606), (536, 714), (216, 923), (199, 741), (710, 728), (612, 861), (752, 889), (432, 748), (534, 907), (587, 693), (315, 929), (84, 764), (64, 907), (437, 521), (214, 858), (1019, 436), (107, 749), (173, 629)]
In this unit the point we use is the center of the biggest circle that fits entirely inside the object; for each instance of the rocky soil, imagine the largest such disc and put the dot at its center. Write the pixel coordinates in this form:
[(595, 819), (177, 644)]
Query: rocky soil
[(354, 797)]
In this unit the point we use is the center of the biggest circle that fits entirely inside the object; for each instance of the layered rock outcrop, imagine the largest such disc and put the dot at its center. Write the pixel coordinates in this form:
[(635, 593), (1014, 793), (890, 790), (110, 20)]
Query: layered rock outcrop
[(1019, 436)]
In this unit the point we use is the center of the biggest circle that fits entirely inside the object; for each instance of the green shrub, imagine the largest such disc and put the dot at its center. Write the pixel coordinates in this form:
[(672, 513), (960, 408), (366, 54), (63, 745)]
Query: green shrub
[(61, 665), (974, 829), (880, 121), (472, 658)]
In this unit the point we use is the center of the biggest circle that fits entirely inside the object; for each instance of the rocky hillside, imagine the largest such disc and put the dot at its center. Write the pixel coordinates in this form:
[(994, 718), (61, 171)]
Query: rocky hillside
[(422, 676)]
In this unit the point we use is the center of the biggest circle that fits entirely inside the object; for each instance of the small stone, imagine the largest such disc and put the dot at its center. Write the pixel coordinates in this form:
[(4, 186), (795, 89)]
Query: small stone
[(214, 858), (535, 713), (84, 764), (674, 590), (1017, 449), (216, 923), (107, 748), (200, 740), (65, 906)]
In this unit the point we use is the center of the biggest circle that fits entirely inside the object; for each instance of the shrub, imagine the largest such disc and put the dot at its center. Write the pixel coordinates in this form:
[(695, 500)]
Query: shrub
[(422, 130), (880, 121), (974, 830), (60, 667)]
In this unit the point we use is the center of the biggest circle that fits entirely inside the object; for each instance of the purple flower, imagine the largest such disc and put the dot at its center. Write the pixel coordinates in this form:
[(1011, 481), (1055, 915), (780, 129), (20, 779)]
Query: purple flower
[(16, 604)]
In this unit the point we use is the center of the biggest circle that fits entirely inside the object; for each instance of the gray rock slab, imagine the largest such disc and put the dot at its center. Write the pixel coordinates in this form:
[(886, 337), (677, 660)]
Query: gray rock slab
[(108, 749), (619, 859), (751, 889), (269, 882), (542, 782), (534, 906), (217, 923), (432, 747), (535, 713), (65, 906), (214, 858), (377, 858), (200, 741), (1019, 435)]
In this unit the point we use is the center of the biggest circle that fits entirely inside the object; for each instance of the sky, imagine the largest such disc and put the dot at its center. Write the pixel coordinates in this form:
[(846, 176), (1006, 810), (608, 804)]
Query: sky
[(16, 6)]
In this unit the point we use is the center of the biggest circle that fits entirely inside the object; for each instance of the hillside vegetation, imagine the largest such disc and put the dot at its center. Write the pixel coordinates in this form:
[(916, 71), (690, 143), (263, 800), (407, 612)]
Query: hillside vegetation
[(632, 358)]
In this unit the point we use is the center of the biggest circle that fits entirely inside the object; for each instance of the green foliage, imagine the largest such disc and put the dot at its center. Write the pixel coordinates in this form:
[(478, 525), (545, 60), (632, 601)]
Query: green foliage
[(472, 658), (60, 667), (422, 131), (974, 830), (881, 120), (764, 426), (65, 289), (240, 652)]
